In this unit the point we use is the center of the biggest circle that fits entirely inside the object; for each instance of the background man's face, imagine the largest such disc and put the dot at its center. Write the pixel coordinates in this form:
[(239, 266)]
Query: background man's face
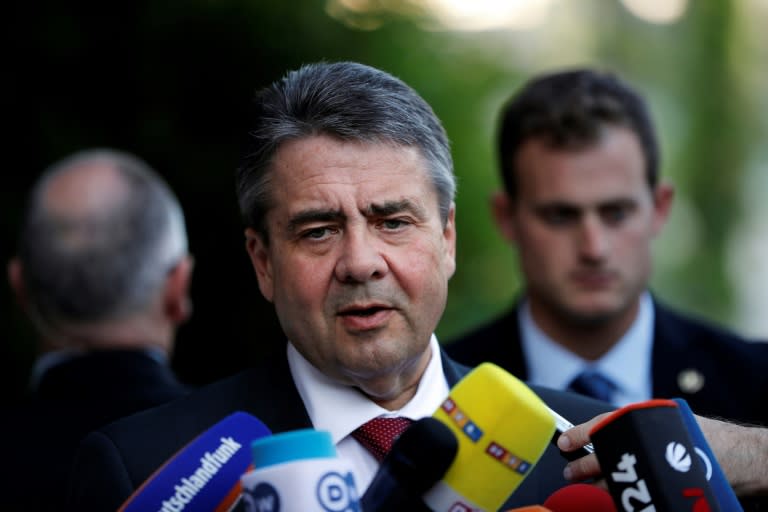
[(583, 223), (358, 260)]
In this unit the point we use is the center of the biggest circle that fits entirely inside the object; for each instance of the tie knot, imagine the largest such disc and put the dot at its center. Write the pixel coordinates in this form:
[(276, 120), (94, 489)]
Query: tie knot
[(379, 434), (594, 384)]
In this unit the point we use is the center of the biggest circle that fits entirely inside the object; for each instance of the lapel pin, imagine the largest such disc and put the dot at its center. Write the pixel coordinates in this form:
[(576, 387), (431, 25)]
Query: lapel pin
[(690, 381)]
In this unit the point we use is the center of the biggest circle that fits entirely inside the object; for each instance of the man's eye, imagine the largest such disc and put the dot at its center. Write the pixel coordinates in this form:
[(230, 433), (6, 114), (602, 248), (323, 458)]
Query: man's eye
[(615, 214), (559, 216), (393, 223), (317, 233)]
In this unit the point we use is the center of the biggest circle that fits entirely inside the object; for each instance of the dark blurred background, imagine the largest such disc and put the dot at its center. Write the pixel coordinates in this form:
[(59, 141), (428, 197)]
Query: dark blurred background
[(171, 81)]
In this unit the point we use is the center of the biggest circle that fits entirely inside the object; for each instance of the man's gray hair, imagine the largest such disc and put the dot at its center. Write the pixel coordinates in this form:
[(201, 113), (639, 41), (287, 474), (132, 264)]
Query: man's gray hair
[(107, 263), (349, 101)]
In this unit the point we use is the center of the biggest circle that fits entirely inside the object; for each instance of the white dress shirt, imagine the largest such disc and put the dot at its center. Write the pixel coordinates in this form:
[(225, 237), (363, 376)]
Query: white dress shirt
[(627, 364), (340, 409)]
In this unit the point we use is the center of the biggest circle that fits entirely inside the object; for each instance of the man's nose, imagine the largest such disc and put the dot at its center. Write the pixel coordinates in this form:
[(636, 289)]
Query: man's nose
[(593, 238), (361, 258)]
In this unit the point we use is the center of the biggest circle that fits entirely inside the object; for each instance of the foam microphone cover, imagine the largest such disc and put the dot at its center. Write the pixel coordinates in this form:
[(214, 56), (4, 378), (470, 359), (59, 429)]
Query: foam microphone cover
[(580, 498), (205, 474), (299, 470), (418, 458), (649, 461), (502, 427)]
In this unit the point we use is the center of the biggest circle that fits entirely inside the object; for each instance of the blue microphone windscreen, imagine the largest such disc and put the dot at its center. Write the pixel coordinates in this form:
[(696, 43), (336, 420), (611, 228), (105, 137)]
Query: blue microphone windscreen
[(294, 445), (205, 473), (717, 480)]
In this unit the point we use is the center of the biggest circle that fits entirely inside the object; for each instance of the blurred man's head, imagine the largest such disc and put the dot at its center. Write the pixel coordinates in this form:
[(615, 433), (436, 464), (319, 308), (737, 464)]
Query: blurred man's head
[(582, 199), (103, 254), (570, 110)]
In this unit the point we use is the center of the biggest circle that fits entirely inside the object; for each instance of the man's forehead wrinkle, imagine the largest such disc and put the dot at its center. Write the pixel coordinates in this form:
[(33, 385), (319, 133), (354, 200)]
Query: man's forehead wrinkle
[(394, 206), (369, 210), (314, 215)]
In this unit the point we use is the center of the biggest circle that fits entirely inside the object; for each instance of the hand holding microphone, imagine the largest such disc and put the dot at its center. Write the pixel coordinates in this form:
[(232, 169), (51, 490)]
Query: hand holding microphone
[(649, 460), (571, 441)]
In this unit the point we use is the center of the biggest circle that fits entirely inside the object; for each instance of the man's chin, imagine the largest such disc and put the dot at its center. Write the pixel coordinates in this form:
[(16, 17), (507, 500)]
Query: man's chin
[(592, 314)]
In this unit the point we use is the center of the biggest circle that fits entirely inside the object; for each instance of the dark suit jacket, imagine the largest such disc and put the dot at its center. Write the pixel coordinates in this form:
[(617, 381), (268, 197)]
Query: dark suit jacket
[(734, 371), (114, 461), (73, 398)]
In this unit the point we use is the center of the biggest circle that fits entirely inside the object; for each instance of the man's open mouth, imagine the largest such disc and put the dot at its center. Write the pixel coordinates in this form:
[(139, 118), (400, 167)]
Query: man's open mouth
[(362, 311)]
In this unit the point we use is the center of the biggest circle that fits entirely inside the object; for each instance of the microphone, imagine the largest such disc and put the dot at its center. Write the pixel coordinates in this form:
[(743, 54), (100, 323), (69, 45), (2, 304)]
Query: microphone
[(418, 459), (722, 490), (649, 460), (299, 470), (580, 498), (502, 428), (205, 474)]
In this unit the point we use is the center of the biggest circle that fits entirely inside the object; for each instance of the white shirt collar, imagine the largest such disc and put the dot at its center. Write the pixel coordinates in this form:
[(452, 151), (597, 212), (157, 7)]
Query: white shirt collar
[(627, 364), (340, 409)]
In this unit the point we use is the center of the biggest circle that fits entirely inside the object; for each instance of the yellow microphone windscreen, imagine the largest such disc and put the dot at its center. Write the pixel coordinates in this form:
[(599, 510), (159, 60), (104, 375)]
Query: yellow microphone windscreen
[(502, 427)]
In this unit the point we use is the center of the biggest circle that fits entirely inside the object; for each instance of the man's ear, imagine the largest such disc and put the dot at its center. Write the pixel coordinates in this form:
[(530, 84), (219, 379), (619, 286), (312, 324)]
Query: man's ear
[(663, 197), (16, 282), (449, 236), (258, 251), (502, 210), (177, 302)]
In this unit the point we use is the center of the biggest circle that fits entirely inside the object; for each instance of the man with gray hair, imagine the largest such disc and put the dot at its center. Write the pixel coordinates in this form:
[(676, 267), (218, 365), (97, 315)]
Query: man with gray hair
[(347, 195), (103, 272)]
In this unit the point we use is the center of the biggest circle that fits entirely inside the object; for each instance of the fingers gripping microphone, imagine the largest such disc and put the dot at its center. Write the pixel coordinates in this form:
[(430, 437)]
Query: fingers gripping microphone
[(722, 490), (649, 460), (502, 427), (419, 458), (299, 470), (205, 474)]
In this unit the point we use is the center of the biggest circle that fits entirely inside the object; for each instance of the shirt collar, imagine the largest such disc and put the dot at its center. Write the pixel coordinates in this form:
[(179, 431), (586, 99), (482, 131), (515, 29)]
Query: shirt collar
[(48, 360), (627, 364), (340, 409)]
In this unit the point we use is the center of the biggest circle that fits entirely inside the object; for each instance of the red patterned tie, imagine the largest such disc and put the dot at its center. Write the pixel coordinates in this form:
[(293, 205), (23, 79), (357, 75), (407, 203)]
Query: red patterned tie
[(379, 434)]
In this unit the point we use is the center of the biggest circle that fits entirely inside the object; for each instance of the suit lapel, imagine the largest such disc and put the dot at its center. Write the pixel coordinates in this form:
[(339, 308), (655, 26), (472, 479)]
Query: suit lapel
[(453, 371), (667, 360)]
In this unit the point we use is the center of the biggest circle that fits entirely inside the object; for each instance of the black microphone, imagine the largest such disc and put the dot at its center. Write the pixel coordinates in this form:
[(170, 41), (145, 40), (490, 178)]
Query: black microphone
[(649, 460), (418, 459)]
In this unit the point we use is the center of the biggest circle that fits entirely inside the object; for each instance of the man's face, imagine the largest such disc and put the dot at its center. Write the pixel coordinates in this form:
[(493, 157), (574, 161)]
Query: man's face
[(358, 259), (583, 223)]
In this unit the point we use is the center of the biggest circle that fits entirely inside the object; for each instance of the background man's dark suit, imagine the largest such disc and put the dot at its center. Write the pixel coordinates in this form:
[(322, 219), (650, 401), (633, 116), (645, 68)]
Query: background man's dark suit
[(734, 371), (72, 399), (114, 461)]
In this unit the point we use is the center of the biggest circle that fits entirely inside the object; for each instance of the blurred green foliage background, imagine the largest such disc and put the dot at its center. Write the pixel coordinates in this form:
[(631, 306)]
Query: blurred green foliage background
[(171, 81)]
